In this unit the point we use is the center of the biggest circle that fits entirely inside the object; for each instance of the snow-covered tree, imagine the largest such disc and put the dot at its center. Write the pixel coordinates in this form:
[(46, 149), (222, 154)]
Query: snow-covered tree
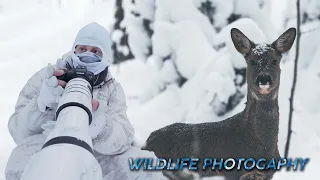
[(120, 47), (181, 38), (139, 23), (184, 40), (133, 29), (223, 12), (220, 13)]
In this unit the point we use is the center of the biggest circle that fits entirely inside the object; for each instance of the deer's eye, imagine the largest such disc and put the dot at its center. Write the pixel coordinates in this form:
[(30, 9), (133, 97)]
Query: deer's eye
[(274, 62), (253, 63)]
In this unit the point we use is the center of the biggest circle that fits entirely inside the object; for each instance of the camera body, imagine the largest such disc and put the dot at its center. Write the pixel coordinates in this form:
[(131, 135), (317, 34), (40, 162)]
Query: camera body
[(78, 72)]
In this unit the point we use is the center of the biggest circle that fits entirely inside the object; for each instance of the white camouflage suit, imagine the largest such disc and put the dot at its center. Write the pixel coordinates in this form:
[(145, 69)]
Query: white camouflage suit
[(111, 131)]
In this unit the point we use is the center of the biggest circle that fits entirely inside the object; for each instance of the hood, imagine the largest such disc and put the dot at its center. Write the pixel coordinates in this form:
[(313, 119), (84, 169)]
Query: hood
[(96, 35)]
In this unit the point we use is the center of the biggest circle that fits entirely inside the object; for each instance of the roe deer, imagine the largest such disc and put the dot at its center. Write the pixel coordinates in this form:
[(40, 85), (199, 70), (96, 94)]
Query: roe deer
[(250, 133)]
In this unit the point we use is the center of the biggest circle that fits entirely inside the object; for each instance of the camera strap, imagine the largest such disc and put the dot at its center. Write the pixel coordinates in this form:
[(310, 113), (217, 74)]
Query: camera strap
[(68, 140)]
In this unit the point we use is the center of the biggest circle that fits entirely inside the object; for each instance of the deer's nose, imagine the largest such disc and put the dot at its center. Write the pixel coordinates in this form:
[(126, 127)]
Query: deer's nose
[(263, 79)]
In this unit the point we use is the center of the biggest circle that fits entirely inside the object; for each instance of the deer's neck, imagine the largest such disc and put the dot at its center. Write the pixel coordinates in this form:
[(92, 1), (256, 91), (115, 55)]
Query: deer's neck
[(262, 117)]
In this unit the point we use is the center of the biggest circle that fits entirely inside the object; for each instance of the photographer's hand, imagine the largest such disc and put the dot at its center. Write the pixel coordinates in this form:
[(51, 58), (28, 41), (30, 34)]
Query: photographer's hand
[(95, 105), (60, 72)]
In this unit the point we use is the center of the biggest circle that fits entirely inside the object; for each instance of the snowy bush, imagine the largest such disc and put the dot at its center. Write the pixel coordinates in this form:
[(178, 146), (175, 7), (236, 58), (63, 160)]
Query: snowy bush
[(183, 35), (187, 45), (173, 43), (165, 77), (206, 95)]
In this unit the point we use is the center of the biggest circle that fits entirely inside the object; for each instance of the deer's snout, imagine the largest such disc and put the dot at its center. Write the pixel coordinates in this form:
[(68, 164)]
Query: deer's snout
[(264, 81)]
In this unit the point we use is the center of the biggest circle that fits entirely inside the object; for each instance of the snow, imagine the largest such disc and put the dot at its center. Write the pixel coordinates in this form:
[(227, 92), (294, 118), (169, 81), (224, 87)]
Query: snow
[(260, 49), (222, 11), (166, 76), (176, 40), (305, 137), (309, 7), (249, 28), (312, 7), (211, 88), (183, 10), (146, 8), (266, 6), (308, 56), (138, 38), (116, 35), (250, 9), (309, 102), (164, 109), (41, 33)]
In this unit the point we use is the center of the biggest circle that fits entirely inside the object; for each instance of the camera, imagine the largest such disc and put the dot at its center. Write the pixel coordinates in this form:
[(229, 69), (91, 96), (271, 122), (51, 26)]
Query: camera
[(78, 72), (69, 140)]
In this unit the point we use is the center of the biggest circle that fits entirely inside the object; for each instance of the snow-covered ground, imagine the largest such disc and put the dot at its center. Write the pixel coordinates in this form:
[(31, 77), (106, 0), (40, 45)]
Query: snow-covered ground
[(32, 35)]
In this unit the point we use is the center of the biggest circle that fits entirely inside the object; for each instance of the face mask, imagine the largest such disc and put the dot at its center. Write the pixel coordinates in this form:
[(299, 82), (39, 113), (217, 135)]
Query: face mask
[(92, 62), (89, 57)]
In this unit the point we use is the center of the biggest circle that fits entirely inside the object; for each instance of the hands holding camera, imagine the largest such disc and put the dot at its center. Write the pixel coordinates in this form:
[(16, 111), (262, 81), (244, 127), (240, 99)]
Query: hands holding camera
[(52, 88)]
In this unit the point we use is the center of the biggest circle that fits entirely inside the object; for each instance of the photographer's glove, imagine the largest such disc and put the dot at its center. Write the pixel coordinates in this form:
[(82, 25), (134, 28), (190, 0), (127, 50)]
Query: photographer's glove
[(61, 64), (50, 91)]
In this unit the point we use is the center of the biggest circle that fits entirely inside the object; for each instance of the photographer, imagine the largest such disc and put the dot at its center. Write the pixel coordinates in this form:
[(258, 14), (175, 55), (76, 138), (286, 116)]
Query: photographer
[(110, 130)]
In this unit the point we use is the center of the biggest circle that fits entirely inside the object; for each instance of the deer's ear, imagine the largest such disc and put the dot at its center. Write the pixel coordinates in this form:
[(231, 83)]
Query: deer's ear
[(285, 41), (240, 41)]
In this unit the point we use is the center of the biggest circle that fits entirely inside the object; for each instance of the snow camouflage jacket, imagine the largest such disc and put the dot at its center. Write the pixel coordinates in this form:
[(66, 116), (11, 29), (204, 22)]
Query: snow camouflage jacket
[(111, 131)]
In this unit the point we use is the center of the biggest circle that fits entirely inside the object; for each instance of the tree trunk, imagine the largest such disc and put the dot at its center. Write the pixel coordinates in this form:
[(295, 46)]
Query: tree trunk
[(295, 72)]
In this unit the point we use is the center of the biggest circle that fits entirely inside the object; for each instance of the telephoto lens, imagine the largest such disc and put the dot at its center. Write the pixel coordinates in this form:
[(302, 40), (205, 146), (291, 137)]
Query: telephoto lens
[(74, 113), (68, 146)]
